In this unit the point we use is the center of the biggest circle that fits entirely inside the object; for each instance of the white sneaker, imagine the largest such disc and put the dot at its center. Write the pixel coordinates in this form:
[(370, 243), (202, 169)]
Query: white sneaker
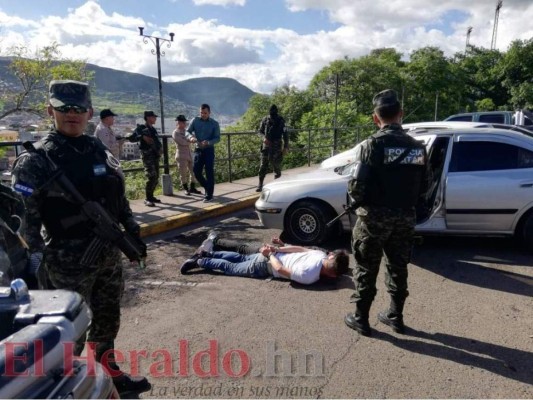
[(207, 246), (212, 235)]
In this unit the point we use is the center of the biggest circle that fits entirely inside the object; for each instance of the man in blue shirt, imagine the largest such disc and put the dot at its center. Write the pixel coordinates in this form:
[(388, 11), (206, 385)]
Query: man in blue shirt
[(205, 133)]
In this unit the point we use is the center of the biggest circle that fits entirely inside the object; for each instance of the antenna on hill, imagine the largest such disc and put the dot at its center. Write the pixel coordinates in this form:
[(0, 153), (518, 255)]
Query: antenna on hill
[(495, 30)]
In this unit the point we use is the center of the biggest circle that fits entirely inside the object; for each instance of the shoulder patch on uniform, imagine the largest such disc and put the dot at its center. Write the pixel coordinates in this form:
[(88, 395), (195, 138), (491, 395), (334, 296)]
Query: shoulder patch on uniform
[(415, 156), (99, 169), (23, 188)]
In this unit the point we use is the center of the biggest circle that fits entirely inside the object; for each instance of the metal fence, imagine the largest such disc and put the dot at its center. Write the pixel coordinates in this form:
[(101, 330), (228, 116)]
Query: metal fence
[(237, 154)]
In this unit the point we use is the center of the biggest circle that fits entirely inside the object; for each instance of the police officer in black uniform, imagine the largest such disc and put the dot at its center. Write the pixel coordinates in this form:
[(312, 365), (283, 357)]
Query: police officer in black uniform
[(387, 182)]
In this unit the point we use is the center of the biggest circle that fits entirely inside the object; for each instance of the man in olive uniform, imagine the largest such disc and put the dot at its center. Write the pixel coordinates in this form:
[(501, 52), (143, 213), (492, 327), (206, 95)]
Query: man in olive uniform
[(273, 130), (151, 149), (74, 257), (388, 180)]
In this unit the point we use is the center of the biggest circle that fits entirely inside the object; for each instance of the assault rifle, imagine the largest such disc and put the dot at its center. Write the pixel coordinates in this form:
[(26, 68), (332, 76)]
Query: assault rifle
[(105, 228), (347, 210)]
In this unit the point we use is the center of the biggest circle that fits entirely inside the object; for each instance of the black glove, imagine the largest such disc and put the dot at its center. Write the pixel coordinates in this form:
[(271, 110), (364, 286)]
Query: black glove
[(135, 230)]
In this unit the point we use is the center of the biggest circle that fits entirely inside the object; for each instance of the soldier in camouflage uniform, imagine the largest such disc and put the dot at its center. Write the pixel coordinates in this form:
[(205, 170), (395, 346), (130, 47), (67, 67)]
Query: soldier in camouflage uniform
[(151, 149), (387, 182), (273, 130), (68, 234)]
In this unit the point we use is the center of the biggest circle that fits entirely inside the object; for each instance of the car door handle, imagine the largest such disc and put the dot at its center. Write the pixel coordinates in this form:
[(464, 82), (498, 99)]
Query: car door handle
[(526, 185)]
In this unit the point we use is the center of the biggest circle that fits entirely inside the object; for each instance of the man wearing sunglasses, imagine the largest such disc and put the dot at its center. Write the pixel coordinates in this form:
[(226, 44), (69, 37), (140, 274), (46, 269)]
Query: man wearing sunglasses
[(73, 255)]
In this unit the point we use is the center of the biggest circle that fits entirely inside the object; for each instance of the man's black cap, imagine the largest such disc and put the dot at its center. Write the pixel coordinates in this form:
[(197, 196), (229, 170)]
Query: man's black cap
[(181, 118), (107, 113), (150, 113), (69, 93), (385, 98)]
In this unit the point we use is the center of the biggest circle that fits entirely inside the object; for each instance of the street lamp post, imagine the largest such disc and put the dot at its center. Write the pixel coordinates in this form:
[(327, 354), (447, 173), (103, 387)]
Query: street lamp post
[(166, 181)]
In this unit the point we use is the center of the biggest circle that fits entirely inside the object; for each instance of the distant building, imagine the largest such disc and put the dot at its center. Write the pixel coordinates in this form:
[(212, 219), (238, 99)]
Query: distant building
[(130, 151)]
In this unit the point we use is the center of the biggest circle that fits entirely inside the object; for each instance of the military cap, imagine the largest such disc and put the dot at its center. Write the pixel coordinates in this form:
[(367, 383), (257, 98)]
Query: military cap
[(107, 113), (181, 118), (386, 98), (69, 93), (150, 113)]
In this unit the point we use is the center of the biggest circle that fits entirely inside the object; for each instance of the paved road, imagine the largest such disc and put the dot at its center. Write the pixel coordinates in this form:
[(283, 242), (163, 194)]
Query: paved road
[(470, 317)]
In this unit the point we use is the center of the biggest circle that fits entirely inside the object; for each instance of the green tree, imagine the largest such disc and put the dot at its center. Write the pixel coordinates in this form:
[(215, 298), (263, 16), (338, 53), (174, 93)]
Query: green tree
[(429, 85), (32, 72), (485, 105), (481, 73), (516, 73)]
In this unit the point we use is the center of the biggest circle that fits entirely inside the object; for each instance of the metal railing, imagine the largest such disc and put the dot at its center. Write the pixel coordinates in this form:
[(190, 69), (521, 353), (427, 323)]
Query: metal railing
[(237, 154)]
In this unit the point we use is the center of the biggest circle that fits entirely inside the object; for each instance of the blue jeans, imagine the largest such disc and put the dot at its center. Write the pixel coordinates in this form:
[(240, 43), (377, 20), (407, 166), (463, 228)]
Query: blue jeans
[(235, 264), (205, 158)]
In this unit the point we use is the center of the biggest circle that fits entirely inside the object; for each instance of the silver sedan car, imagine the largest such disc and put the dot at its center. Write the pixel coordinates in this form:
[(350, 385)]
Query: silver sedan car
[(482, 184)]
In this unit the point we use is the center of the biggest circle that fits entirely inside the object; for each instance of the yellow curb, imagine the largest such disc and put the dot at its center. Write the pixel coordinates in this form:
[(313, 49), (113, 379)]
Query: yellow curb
[(186, 218)]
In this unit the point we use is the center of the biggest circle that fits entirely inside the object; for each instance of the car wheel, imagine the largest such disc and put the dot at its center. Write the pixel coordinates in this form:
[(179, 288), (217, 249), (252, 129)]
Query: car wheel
[(306, 223)]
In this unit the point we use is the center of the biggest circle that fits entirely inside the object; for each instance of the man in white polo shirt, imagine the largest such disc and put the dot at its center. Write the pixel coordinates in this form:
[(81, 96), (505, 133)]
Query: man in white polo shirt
[(296, 263)]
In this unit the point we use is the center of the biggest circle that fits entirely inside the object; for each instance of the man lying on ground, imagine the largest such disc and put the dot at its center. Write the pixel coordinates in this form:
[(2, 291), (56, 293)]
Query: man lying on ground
[(300, 264), (215, 242)]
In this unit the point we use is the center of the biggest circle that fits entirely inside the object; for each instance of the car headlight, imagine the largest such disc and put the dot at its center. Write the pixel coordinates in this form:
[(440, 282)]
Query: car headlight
[(264, 195)]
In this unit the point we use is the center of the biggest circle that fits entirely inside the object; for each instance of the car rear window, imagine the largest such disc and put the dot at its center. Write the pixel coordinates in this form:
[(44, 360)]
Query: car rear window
[(495, 118), (460, 118), (488, 156)]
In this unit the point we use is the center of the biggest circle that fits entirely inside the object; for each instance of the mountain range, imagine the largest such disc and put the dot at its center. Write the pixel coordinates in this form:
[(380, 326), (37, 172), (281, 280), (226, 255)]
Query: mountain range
[(114, 88)]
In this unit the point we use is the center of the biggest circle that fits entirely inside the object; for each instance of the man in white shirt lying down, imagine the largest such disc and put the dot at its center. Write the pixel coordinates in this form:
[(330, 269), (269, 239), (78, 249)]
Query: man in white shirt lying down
[(299, 264)]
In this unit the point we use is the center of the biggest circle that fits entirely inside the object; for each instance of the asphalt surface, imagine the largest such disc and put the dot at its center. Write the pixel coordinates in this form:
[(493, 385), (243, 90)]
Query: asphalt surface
[(469, 313)]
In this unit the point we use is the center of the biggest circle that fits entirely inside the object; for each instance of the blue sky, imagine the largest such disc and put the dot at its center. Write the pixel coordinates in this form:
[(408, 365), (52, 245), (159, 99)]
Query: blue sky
[(261, 43)]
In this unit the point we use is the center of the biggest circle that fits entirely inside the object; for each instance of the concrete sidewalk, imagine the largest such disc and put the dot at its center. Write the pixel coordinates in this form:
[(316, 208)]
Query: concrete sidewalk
[(180, 210)]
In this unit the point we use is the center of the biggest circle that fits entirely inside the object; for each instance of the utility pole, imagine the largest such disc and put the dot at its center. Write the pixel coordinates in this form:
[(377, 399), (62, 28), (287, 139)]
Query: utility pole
[(495, 30), (335, 133), (436, 104), (166, 181), (468, 32)]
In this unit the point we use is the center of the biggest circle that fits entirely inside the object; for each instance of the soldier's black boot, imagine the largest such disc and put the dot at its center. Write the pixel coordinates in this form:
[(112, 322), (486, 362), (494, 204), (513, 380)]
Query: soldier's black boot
[(358, 323), (393, 320), (393, 317), (260, 186), (194, 190), (186, 188), (124, 383)]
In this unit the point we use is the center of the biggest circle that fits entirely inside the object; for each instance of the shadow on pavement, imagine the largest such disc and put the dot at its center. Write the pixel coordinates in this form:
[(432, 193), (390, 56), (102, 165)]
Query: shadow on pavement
[(324, 284), (504, 361), (465, 259)]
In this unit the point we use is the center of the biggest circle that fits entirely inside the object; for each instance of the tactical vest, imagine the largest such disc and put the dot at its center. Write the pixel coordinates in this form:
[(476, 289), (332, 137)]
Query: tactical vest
[(397, 168), (151, 132), (274, 128), (89, 172)]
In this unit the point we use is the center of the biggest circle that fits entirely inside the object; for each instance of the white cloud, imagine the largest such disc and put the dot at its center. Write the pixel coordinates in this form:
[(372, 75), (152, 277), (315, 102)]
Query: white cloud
[(224, 3), (8, 21), (205, 47)]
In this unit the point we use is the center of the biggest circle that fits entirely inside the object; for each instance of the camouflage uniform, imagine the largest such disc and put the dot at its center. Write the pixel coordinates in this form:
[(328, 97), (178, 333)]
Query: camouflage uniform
[(67, 233), (13, 255), (273, 130), (386, 201), (150, 154)]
